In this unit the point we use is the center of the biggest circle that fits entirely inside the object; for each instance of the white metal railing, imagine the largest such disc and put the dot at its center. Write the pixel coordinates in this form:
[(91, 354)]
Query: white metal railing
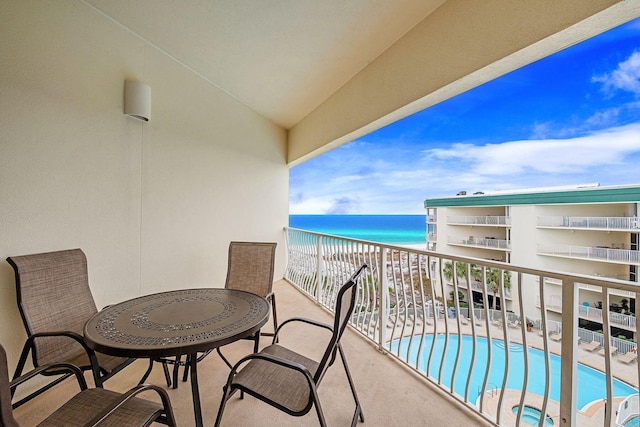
[(628, 409), (432, 218), (589, 252), (432, 237), (482, 242), (406, 308), (600, 223), (479, 220)]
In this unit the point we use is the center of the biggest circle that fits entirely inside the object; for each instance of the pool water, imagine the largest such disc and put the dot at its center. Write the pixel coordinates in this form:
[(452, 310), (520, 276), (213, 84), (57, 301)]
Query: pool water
[(633, 422), (531, 415), (591, 384)]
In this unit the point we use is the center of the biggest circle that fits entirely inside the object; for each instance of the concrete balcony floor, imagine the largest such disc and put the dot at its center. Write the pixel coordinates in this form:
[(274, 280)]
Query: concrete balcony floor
[(390, 394)]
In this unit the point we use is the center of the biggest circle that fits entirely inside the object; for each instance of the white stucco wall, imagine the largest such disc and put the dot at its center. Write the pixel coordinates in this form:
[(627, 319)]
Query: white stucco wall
[(153, 205)]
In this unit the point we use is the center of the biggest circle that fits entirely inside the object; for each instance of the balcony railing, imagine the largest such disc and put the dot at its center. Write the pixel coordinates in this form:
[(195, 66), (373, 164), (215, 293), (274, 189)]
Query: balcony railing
[(594, 314), (481, 242), (432, 218), (479, 220), (598, 223), (406, 309), (620, 256), (432, 237)]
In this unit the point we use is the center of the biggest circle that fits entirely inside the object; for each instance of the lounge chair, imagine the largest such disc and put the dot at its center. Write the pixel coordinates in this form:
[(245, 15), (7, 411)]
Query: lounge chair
[(556, 336), (612, 351), (591, 346), (628, 357), (464, 320), (515, 324)]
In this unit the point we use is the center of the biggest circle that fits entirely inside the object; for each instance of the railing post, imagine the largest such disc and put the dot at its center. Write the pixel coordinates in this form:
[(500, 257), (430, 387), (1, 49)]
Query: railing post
[(569, 346), (319, 270), (383, 297)]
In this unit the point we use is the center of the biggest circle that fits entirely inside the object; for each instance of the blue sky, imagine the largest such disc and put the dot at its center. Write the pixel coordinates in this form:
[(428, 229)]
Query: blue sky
[(571, 118)]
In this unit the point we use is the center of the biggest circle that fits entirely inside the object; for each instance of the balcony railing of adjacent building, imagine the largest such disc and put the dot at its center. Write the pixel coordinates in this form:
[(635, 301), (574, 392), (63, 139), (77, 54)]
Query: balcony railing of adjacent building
[(432, 218), (479, 220), (432, 237), (594, 314), (481, 242), (597, 289), (408, 312), (620, 256), (598, 223)]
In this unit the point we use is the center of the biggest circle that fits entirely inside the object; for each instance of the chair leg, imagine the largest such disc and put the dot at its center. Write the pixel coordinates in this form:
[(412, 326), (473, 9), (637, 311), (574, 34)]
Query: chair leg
[(223, 403), (358, 412), (176, 366), (224, 359), (146, 373), (316, 403), (187, 366), (165, 369)]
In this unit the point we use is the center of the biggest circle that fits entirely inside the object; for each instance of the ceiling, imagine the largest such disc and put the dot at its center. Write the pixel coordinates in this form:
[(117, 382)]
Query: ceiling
[(282, 58)]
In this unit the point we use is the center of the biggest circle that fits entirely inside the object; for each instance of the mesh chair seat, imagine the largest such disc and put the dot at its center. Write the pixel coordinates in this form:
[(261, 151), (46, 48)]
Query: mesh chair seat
[(285, 387), (82, 407)]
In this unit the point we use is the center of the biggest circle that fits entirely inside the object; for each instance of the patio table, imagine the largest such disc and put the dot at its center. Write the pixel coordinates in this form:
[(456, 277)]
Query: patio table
[(177, 322)]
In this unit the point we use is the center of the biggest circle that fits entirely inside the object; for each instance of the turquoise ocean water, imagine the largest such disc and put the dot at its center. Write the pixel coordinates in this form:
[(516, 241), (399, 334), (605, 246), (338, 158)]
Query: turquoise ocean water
[(389, 229)]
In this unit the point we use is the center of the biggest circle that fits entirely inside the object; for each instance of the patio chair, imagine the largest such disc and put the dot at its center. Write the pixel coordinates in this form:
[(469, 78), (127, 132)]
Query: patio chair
[(515, 324), (55, 301), (89, 407), (250, 268), (288, 380), (628, 357), (591, 346), (556, 336)]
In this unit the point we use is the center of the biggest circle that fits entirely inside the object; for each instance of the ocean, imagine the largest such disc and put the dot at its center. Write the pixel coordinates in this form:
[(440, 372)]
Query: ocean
[(389, 229)]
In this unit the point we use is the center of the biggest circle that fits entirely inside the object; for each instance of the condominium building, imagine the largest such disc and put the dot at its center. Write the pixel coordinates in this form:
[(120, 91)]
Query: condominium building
[(588, 229)]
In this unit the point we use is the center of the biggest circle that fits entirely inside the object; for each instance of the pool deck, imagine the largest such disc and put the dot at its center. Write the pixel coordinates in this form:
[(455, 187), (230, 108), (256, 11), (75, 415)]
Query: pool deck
[(592, 415)]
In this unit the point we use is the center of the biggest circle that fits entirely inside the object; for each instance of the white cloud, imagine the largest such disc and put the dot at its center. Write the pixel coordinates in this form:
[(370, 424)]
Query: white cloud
[(626, 77), (558, 156), (401, 183)]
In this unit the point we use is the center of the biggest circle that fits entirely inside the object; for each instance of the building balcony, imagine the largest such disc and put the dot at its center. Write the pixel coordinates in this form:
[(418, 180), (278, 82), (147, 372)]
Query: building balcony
[(432, 218), (598, 289), (590, 223), (481, 242), (407, 312), (594, 253), (488, 220), (593, 314), (432, 237)]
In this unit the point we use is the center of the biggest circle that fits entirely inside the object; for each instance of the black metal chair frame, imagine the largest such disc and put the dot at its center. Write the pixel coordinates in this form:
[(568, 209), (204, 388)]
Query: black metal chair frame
[(313, 380)]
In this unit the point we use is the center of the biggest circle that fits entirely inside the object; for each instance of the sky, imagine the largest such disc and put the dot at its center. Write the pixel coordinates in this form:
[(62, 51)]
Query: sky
[(571, 118)]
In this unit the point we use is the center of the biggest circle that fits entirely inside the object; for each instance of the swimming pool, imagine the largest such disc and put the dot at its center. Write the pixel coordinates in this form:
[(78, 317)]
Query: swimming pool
[(591, 383)]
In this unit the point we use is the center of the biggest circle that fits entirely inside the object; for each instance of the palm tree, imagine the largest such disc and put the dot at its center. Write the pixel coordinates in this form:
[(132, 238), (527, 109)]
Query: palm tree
[(493, 280)]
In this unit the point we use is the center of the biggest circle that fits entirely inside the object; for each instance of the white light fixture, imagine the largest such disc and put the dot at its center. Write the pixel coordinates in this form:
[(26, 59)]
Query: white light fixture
[(137, 100)]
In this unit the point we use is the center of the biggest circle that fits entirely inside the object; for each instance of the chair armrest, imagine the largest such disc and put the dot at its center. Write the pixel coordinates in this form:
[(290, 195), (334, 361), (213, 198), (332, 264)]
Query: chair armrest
[(164, 397), (303, 320), (58, 367), (29, 345)]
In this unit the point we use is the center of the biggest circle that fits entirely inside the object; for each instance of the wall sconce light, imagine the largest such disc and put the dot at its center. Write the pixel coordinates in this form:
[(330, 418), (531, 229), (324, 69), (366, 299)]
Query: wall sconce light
[(137, 100)]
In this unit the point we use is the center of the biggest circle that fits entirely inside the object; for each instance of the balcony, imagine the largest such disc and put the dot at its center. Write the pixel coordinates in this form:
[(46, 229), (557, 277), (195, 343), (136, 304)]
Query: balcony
[(481, 242), (594, 314), (594, 253), (432, 218), (380, 381), (395, 312), (488, 220), (590, 223)]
